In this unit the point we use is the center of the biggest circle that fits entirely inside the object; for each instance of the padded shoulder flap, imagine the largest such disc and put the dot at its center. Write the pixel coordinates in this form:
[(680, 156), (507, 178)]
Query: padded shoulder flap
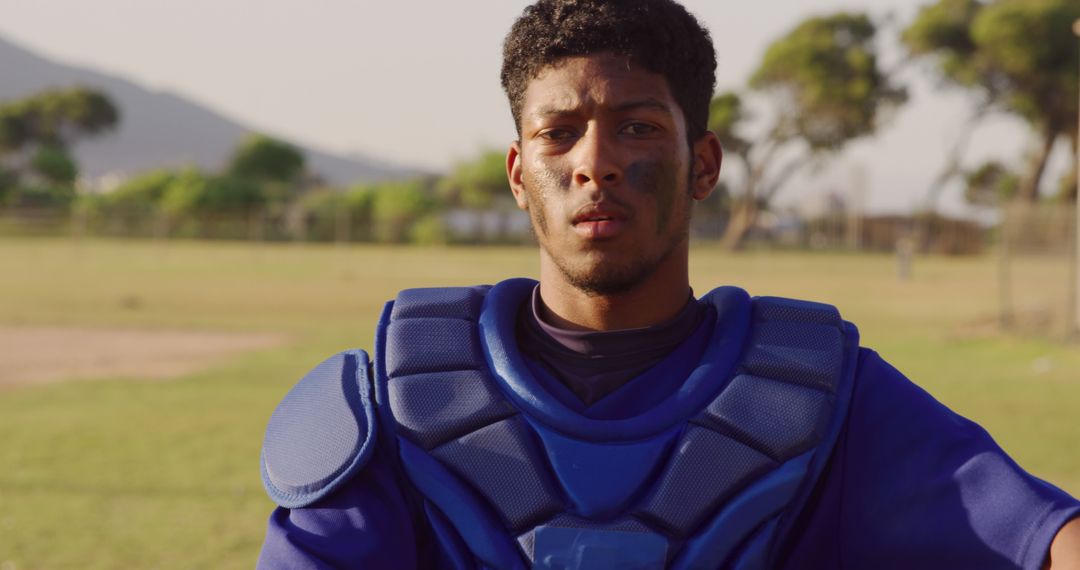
[(321, 433)]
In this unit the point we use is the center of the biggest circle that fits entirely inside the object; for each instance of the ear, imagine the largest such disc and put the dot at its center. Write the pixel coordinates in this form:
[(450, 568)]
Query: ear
[(513, 175), (707, 156)]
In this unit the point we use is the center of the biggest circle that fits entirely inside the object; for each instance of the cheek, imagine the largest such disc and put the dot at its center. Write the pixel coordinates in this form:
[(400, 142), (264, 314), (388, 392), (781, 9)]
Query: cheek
[(545, 184), (546, 179), (661, 180)]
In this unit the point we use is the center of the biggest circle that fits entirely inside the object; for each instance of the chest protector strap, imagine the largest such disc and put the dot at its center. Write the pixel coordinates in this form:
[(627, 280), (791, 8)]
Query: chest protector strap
[(723, 483)]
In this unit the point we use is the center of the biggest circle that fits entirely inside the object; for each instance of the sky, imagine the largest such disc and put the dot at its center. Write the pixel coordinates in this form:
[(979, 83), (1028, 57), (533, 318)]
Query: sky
[(416, 83)]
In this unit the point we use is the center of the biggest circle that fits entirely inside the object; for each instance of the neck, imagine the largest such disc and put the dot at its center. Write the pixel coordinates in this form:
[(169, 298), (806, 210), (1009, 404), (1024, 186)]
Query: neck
[(654, 300)]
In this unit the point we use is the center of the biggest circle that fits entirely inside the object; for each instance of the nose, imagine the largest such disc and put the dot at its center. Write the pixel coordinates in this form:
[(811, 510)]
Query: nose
[(596, 160)]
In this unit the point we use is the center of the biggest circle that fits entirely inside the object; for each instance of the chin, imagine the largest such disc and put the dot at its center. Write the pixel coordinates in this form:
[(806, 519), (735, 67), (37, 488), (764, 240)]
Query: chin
[(601, 275)]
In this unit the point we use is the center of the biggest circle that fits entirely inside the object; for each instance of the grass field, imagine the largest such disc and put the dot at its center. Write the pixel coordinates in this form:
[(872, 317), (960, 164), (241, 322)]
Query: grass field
[(125, 473)]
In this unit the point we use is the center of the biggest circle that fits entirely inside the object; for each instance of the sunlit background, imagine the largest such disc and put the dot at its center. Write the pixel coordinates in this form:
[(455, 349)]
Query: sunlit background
[(201, 200)]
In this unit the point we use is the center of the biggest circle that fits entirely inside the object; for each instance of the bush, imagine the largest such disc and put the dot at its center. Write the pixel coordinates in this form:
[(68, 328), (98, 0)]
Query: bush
[(55, 165), (429, 230), (42, 196), (396, 206)]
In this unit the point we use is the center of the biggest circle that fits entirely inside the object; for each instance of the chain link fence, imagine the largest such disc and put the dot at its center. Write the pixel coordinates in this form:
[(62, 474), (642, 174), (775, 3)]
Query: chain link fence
[(1036, 252)]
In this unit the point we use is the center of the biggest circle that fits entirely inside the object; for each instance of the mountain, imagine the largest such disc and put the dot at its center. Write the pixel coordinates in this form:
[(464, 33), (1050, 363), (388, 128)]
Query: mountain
[(159, 129)]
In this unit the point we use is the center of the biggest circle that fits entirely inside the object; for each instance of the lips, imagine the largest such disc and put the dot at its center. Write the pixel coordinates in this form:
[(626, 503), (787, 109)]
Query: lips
[(598, 221)]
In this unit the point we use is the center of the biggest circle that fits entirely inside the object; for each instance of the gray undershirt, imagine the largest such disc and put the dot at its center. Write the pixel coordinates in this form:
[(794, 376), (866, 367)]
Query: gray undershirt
[(593, 364)]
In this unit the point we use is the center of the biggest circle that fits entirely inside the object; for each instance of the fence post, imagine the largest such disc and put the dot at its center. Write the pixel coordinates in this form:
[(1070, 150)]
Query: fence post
[(1076, 225), (78, 222), (1072, 325), (257, 224), (855, 209), (905, 251), (1004, 275), (341, 225)]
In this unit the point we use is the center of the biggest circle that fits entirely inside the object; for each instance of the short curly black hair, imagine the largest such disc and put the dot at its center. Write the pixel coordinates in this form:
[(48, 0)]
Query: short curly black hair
[(658, 35)]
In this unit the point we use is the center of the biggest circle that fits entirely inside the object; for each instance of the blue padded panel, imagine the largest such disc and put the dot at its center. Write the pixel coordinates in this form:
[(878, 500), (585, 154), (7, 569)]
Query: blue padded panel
[(781, 309), (705, 470), (778, 418), (824, 450), (565, 548), (453, 554), (755, 554), (416, 346), (759, 502), (442, 302), (528, 539), (321, 433), (805, 336), (434, 408), (626, 466), (502, 463), (474, 520), (803, 353)]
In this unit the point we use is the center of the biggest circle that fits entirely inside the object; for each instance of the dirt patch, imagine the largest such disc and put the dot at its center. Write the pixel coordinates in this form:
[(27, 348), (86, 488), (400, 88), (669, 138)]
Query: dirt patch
[(30, 355)]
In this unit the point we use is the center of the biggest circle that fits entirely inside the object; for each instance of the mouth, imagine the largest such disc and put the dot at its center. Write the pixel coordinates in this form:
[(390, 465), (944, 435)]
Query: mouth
[(593, 218), (595, 222)]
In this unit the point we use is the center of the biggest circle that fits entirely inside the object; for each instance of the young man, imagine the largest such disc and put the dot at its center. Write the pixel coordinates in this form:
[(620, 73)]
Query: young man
[(605, 418)]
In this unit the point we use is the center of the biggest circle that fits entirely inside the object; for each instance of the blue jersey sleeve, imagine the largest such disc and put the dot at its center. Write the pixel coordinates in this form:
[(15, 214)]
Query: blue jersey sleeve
[(365, 523), (912, 484)]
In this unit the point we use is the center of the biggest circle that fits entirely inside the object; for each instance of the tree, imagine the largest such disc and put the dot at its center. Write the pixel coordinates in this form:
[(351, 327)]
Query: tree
[(476, 183), (48, 181), (1018, 56), (479, 185), (134, 205), (396, 206), (35, 135), (233, 195), (991, 184), (265, 159), (194, 193), (58, 118), (13, 129), (184, 194), (144, 191), (826, 88), (8, 179), (54, 165)]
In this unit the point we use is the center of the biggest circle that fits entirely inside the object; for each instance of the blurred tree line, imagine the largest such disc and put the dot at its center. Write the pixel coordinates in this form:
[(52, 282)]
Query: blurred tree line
[(817, 89), (265, 192), (36, 167)]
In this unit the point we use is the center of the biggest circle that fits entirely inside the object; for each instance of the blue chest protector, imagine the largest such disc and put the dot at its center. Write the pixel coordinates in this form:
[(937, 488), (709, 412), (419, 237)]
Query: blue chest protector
[(712, 476)]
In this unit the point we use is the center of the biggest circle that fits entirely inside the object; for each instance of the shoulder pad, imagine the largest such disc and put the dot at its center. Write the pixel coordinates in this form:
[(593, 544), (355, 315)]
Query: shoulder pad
[(796, 310), (802, 342), (321, 433)]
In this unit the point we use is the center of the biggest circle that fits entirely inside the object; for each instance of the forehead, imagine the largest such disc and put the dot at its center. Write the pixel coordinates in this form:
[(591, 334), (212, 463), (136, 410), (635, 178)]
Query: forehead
[(596, 81)]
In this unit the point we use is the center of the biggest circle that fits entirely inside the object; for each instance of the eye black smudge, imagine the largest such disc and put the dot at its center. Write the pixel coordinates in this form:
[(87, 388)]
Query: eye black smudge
[(541, 185), (658, 178), (549, 179)]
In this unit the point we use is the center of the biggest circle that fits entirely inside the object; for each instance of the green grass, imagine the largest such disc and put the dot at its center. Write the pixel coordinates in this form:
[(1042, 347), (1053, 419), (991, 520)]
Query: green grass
[(123, 473)]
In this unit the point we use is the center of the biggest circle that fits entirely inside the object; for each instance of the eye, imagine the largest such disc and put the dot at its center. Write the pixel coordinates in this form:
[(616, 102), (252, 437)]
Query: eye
[(556, 134), (639, 129)]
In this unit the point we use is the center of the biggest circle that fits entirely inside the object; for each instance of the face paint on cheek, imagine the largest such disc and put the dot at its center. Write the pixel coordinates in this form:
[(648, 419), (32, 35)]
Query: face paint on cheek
[(542, 185), (658, 178)]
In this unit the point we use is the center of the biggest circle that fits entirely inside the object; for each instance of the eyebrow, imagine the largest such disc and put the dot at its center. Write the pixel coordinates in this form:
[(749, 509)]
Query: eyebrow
[(647, 103)]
